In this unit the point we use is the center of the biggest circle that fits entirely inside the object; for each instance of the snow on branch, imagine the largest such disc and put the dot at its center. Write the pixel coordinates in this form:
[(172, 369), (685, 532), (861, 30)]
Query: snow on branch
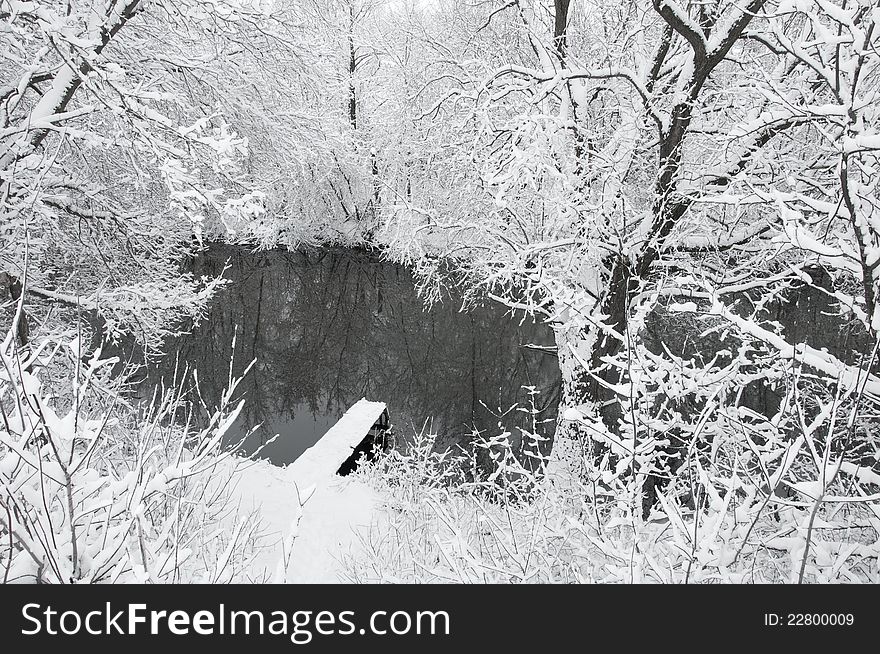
[(677, 17), (850, 378), (551, 80)]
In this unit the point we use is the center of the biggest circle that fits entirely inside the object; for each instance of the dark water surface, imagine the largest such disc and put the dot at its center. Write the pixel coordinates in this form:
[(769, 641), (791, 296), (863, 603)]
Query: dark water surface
[(331, 326)]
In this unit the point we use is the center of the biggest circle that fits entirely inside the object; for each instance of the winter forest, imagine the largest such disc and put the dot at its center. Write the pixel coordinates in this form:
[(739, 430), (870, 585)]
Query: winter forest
[(580, 291)]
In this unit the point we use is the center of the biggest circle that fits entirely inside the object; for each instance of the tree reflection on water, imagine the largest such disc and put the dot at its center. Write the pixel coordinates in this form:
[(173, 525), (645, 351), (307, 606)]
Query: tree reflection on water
[(330, 326)]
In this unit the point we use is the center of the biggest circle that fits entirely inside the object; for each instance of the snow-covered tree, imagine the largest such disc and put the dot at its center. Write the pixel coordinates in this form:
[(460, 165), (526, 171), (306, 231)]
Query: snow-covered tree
[(599, 161), (118, 156)]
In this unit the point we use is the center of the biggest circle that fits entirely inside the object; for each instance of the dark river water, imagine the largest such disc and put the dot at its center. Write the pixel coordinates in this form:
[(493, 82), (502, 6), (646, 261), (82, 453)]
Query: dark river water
[(331, 326)]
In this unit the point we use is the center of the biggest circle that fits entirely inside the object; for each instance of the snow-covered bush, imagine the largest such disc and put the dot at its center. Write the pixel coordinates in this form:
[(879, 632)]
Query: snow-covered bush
[(751, 500), (94, 490)]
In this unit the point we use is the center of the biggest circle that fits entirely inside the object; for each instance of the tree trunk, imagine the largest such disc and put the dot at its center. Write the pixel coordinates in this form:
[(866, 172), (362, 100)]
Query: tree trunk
[(12, 286), (352, 68), (560, 27)]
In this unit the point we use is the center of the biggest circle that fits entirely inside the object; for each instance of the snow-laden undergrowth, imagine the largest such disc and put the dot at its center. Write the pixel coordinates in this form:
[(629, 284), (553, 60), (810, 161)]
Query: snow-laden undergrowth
[(93, 489), (579, 519)]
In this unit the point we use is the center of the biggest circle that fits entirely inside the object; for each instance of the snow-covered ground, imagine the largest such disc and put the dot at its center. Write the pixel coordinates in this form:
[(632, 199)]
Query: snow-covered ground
[(311, 517), (331, 518)]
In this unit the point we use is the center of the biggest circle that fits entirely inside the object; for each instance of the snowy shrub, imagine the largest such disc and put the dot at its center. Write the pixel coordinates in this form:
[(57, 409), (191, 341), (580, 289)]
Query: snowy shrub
[(751, 500), (93, 491)]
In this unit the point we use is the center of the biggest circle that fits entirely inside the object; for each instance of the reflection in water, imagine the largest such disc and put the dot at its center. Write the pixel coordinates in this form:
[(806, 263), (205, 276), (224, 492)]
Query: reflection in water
[(334, 325)]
